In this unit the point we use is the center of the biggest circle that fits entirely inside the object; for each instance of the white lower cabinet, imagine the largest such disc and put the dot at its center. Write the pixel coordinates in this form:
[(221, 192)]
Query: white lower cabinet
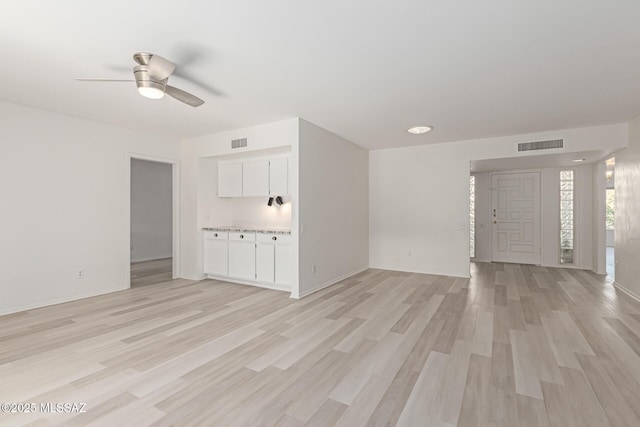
[(216, 251), (242, 255), (274, 258), (265, 262), (263, 259)]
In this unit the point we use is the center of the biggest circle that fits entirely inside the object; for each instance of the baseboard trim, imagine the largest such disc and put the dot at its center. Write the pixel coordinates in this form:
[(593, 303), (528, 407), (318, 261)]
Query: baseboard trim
[(433, 273), (627, 291), (192, 277), (60, 301), (320, 287), (154, 258)]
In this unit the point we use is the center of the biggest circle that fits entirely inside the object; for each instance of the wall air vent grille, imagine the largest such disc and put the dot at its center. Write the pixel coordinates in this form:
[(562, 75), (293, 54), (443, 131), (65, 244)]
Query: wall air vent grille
[(239, 143), (541, 145)]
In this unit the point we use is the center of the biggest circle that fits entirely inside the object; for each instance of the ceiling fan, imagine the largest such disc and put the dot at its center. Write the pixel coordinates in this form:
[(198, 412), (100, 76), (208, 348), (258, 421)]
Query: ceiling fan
[(151, 76)]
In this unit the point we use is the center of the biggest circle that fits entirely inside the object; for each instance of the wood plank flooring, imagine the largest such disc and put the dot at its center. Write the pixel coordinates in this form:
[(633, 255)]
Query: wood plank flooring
[(513, 346), (151, 272)]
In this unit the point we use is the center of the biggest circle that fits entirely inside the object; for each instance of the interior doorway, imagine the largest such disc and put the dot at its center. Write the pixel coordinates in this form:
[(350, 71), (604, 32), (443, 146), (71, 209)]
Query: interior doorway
[(151, 222), (610, 200)]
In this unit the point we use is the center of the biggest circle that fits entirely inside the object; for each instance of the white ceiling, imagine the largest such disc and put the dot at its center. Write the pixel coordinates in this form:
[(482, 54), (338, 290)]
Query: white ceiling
[(365, 70)]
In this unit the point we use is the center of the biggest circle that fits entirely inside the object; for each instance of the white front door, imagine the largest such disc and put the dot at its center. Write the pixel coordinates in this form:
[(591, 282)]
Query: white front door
[(515, 217)]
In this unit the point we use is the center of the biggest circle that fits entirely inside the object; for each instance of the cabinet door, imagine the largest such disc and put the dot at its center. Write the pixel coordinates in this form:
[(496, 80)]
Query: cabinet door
[(279, 177), (216, 257), (255, 178), (265, 262), (229, 179), (242, 260), (283, 264)]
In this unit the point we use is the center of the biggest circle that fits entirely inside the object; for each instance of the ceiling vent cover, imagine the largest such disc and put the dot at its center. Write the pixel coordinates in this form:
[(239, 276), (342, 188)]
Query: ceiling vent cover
[(239, 143), (541, 145)]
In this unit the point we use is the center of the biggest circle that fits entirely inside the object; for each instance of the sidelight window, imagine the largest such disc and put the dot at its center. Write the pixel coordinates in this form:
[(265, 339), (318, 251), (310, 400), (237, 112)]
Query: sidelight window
[(567, 223), (472, 216)]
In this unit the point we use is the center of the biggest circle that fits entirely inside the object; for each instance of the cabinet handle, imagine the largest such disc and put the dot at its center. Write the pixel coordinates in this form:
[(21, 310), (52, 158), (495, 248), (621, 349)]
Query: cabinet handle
[(215, 234), (242, 236), (274, 238)]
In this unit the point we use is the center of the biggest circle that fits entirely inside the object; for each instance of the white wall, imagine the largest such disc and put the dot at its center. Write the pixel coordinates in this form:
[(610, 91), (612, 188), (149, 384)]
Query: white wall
[(419, 196), (419, 210), (333, 193), (151, 210), (627, 183), (200, 181), (253, 211), (65, 205)]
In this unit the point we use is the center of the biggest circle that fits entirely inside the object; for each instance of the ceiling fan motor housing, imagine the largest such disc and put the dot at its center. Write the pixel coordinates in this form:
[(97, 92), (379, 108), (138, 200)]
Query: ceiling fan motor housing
[(147, 85)]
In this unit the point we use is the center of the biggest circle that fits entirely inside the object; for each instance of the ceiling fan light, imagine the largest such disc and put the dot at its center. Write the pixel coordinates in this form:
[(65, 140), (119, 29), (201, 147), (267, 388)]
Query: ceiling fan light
[(147, 85), (151, 92)]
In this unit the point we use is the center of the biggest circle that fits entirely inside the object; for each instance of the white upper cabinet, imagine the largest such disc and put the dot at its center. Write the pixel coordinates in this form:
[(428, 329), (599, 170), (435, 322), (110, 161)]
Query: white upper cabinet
[(230, 179), (278, 177), (255, 178)]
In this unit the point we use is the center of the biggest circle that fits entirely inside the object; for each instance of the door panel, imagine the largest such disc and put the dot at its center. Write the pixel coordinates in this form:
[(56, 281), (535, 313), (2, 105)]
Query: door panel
[(265, 262), (515, 227), (255, 178), (242, 260)]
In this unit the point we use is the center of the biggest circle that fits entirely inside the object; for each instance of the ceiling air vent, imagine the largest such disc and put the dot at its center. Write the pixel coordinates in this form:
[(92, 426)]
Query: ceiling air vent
[(541, 145), (239, 143)]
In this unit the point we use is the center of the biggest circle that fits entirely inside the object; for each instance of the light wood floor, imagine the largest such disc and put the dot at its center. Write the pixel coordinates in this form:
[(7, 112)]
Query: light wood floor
[(514, 346), (151, 272)]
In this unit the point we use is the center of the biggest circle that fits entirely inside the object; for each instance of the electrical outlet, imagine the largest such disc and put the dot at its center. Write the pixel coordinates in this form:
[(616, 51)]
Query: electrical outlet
[(80, 274), (301, 229), (313, 269)]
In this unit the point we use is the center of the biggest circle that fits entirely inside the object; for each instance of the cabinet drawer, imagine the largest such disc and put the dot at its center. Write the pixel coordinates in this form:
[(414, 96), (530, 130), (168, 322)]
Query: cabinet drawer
[(245, 237), (284, 239), (216, 235)]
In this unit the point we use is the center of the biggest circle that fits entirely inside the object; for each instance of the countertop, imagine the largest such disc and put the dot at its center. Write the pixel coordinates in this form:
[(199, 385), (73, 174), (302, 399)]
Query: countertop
[(250, 229)]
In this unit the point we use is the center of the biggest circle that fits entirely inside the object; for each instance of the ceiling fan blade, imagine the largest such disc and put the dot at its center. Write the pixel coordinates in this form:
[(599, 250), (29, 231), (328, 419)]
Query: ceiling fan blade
[(180, 72), (103, 80), (183, 96), (160, 68)]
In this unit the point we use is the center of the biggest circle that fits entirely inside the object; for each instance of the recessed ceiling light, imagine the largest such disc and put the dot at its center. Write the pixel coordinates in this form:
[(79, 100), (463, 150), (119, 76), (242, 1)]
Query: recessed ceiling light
[(579, 160), (417, 130)]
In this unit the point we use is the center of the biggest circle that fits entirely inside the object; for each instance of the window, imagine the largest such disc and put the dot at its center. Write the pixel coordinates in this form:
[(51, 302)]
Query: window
[(610, 212), (472, 216), (566, 217)]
